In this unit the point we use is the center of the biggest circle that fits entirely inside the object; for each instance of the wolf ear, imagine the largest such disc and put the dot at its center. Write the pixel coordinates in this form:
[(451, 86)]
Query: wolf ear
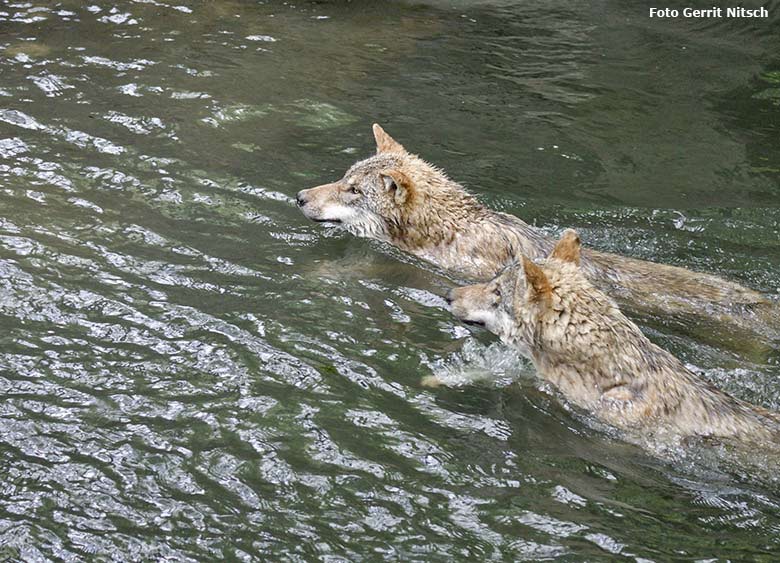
[(384, 142), (397, 183), (537, 281), (568, 248)]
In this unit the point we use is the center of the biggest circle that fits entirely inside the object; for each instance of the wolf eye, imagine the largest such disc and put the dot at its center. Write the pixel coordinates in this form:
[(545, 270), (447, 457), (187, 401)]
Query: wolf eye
[(354, 190), (497, 292)]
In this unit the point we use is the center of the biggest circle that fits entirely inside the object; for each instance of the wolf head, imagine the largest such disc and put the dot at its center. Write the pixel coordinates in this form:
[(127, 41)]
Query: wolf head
[(491, 304), (535, 307), (386, 197)]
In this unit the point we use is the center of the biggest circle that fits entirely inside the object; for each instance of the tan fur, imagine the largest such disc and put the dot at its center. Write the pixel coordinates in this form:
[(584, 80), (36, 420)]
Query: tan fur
[(384, 142), (568, 248), (445, 225), (538, 285), (580, 341), (401, 185)]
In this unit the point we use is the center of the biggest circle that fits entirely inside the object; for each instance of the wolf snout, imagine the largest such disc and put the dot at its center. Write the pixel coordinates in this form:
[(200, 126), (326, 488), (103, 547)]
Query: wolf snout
[(449, 297), (300, 199), (455, 304)]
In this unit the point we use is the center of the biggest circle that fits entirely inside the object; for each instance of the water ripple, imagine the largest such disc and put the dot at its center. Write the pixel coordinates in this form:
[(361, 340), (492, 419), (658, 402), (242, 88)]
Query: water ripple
[(191, 371)]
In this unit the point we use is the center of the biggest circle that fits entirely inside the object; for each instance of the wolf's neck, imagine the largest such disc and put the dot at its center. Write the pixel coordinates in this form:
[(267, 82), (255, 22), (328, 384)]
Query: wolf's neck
[(459, 234), (610, 358)]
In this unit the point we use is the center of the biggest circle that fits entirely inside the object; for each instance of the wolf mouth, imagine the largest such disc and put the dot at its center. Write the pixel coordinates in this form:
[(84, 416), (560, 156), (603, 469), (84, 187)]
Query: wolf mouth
[(473, 323), (327, 220)]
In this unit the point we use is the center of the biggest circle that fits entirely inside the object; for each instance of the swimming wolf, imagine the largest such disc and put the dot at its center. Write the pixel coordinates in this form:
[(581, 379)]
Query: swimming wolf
[(580, 342), (397, 197)]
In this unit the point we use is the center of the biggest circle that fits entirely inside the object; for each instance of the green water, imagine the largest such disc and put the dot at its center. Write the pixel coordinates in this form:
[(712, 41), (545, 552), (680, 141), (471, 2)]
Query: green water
[(192, 371)]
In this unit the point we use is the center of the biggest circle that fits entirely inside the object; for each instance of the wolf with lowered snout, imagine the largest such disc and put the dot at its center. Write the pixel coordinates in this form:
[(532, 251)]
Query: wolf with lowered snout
[(579, 341)]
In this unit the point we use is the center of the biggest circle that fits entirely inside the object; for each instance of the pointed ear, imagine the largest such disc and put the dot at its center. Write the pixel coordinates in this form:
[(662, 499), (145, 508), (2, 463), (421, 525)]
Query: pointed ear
[(568, 248), (384, 142), (398, 184), (537, 281)]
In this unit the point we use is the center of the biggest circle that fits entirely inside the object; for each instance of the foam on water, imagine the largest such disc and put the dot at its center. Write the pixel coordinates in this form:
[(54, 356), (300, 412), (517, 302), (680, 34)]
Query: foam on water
[(495, 364)]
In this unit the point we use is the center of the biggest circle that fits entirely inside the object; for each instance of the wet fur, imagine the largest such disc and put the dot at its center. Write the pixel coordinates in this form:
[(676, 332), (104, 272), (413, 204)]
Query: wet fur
[(580, 342), (437, 220)]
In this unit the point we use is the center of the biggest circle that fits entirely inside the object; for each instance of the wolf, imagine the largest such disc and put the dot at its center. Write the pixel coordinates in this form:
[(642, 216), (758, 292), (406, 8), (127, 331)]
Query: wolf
[(397, 197), (580, 341)]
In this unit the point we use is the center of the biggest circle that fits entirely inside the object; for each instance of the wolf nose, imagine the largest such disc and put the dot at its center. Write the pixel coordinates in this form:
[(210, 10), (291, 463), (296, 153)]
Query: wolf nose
[(300, 200), (449, 298)]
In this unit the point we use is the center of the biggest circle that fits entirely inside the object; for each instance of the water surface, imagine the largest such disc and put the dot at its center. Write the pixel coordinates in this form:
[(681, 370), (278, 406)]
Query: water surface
[(192, 371)]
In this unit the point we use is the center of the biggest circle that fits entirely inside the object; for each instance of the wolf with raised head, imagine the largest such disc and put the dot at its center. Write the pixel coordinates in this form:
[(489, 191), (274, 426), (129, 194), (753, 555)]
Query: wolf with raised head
[(397, 197), (579, 341)]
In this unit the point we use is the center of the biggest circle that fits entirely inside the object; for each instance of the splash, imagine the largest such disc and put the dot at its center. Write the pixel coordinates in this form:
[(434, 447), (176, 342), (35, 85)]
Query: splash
[(475, 362)]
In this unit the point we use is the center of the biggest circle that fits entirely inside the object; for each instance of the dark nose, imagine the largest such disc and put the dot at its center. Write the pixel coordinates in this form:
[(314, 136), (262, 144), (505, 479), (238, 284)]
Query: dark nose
[(300, 200), (449, 297)]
